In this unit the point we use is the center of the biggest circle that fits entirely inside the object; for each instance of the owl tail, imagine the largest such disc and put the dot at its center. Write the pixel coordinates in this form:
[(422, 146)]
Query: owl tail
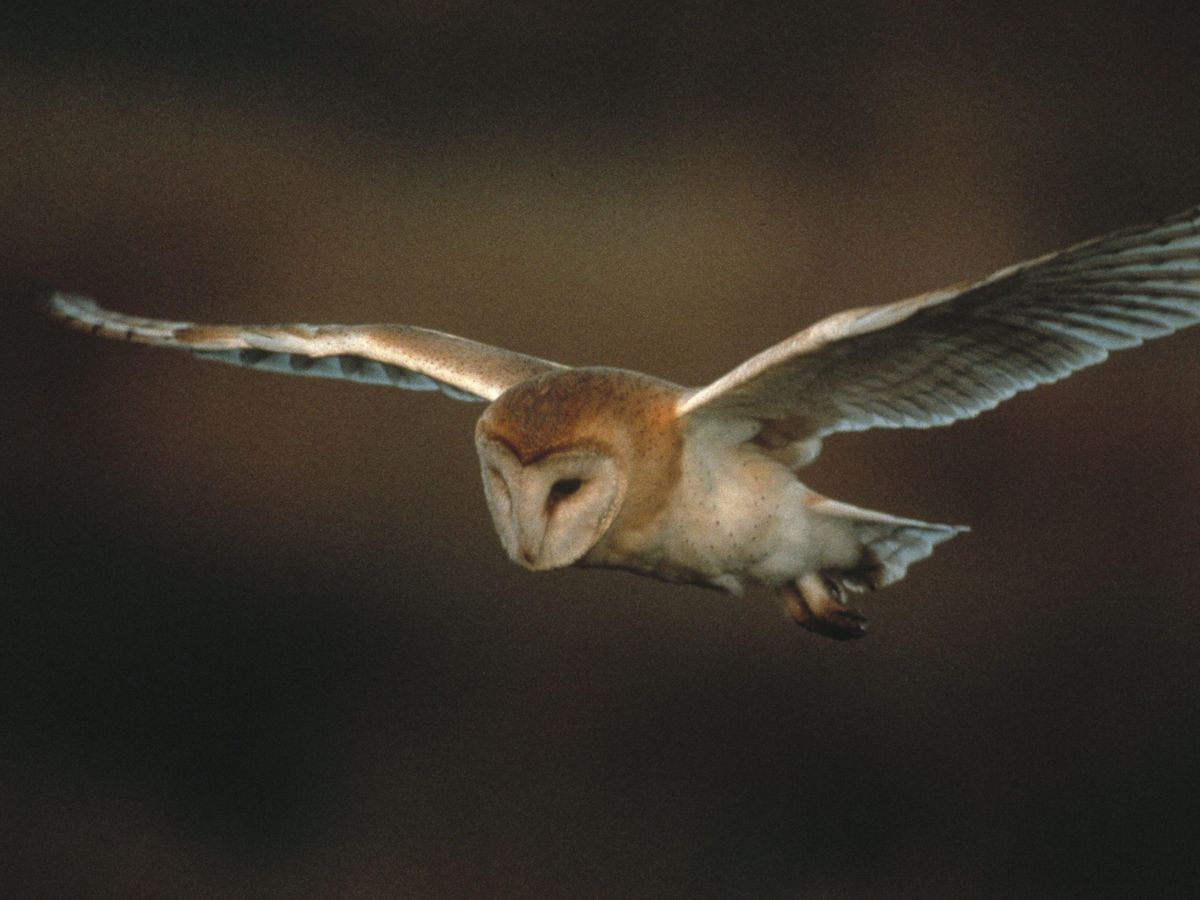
[(890, 544)]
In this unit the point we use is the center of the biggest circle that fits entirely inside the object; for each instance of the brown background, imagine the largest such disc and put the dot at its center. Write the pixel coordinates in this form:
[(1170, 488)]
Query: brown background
[(259, 637)]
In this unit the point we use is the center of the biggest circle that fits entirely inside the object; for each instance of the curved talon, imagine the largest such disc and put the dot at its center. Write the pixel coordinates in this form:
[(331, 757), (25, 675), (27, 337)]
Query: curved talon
[(815, 603), (834, 588)]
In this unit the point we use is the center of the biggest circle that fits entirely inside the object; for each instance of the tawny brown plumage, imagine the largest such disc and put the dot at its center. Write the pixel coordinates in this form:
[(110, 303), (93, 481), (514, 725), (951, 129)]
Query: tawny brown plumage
[(604, 467)]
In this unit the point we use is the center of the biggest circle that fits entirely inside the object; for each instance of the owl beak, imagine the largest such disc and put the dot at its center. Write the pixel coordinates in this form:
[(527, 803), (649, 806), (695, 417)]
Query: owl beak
[(530, 553), (529, 549), (525, 553)]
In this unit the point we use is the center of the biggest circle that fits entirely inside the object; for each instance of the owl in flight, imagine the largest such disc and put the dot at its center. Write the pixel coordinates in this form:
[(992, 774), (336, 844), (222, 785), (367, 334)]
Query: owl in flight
[(607, 467)]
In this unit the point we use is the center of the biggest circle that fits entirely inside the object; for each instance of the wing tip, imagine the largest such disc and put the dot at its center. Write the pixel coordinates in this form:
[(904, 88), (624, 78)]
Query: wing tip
[(73, 310), (51, 301)]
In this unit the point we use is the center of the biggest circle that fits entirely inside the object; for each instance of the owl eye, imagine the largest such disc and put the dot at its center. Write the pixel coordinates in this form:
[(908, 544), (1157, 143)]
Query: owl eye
[(565, 487)]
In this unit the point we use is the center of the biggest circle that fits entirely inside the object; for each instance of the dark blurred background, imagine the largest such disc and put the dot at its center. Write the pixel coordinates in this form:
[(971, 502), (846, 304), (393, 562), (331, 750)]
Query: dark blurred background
[(258, 637)]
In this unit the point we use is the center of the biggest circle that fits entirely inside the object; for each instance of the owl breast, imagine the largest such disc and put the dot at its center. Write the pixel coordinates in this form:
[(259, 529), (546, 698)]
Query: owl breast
[(735, 518)]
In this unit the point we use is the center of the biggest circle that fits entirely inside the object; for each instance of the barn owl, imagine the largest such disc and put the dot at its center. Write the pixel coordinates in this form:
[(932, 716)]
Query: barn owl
[(613, 468)]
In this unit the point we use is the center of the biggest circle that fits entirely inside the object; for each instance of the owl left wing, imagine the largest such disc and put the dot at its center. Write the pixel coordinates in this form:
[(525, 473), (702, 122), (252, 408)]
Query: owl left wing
[(396, 355), (951, 354)]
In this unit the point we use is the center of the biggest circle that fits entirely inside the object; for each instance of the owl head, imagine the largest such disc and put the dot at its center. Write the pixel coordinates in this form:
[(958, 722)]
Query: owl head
[(560, 454)]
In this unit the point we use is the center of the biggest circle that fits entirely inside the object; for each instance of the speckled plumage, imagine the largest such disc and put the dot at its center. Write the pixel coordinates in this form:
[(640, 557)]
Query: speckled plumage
[(604, 467)]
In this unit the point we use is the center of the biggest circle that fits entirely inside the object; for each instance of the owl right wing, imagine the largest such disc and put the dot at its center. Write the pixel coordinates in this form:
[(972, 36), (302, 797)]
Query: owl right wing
[(395, 355), (951, 354)]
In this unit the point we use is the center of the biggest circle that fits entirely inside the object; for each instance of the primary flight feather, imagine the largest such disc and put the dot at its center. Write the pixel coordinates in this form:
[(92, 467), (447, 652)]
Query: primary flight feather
[(606, 467)]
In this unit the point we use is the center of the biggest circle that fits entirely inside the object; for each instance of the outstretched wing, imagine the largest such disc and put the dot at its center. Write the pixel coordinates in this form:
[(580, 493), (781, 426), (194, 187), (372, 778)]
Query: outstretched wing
[(396, 355), (951, 354)]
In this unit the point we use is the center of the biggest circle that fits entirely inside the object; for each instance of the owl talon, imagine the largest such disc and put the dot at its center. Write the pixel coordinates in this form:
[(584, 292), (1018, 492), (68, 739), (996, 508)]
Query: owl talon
[(842, 625), (815, 603)]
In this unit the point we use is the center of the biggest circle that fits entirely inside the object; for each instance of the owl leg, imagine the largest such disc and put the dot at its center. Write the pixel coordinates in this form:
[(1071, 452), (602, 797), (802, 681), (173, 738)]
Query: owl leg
[(817, 602)]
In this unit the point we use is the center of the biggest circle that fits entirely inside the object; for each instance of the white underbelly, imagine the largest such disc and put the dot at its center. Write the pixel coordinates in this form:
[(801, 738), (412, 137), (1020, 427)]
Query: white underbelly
[(753, 528)]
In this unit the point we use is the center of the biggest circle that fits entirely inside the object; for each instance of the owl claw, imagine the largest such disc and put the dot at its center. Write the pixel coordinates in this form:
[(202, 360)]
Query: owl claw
[(841, 625), (816, 603)]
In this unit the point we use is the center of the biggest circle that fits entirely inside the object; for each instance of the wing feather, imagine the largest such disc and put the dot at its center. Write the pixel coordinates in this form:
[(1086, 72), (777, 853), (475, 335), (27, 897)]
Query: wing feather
[(951, 354), (394, 355)]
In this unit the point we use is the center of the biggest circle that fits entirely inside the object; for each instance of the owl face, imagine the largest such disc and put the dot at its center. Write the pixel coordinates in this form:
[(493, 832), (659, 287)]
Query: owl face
[(552, 510)]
